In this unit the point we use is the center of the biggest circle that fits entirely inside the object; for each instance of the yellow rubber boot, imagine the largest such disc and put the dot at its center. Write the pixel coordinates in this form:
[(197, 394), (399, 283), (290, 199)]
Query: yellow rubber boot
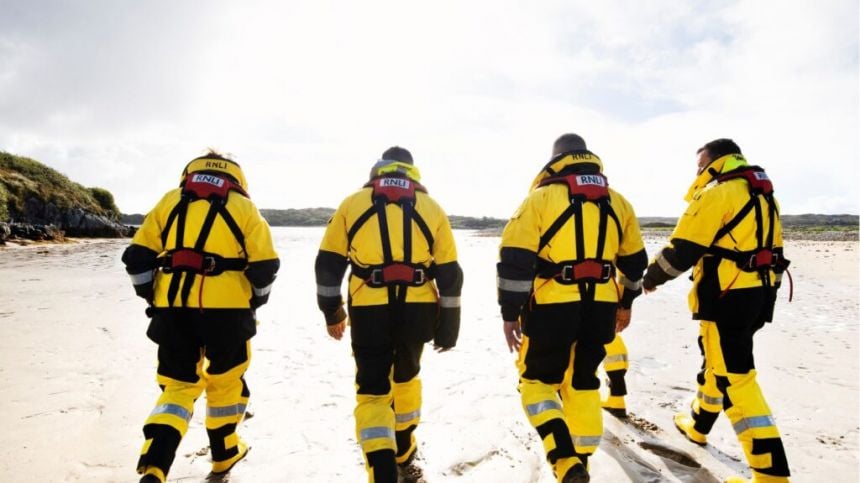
[(221, 467), (685, 424), (615, 406)]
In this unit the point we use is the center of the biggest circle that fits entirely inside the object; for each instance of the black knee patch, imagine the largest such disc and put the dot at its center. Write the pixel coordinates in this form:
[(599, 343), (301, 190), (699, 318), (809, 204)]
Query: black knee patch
[(617, 385), (563, 443), (704, 420), (404, 439), (723, 386), (216, 442), (383, 466), (162, 450), (779, 464)]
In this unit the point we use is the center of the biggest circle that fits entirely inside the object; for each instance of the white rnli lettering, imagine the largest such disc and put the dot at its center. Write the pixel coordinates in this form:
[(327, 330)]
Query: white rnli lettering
[(590, 179), (208, 179), (394, 182)]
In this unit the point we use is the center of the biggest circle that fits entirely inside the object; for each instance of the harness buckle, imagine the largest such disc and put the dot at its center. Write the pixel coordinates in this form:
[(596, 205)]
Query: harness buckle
[(376, 277), (567, 273), (208, 265), (419, 277)]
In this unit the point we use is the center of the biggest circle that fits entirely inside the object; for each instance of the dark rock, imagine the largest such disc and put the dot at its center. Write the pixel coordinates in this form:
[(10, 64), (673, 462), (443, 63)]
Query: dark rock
[(75, 222), (5, 232), (35, 232)]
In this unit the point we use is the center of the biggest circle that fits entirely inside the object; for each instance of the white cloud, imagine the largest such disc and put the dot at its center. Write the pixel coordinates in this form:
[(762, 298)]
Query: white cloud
[(308, 94)]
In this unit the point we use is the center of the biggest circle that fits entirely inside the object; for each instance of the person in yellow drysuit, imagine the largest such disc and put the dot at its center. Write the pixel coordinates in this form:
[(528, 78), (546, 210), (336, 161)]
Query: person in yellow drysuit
[(560, 301), (204, 261), (404, 290), (731, 235)]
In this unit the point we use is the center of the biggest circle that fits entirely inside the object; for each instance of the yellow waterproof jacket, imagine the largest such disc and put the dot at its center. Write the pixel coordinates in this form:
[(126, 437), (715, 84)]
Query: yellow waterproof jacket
[(230, 289), (366, 248), (520, 250), (712, 205)]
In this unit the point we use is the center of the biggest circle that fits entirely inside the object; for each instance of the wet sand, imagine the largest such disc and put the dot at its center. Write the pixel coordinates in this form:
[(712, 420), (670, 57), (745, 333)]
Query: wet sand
[(78, 374)]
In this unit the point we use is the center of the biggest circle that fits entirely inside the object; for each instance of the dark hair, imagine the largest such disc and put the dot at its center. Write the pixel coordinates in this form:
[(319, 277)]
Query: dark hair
[(568, 142), (396, 153), (214, 154), (719, 148)]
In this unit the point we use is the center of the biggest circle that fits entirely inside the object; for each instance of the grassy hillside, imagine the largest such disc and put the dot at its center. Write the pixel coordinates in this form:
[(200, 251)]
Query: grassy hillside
[(23, 178)]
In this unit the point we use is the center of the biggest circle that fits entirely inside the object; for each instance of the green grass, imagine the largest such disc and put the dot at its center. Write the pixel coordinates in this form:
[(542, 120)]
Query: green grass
[(23, 178)]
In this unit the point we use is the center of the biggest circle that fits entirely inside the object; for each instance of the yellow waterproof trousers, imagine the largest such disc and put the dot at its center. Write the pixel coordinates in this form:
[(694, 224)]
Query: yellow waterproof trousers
[(183, 378), (739, 395)]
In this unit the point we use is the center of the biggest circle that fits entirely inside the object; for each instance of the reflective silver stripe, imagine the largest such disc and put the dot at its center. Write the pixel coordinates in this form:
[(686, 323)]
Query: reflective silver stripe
[(173, 409), (406, 417), (667, 267), (449, 302), (514, 285), (224, 411), (376, 433), (539, 407), (777, 278), (141, 278), (631, 285), (260, 292), (586, 441), (328, 291), (714, 401), (753, 422), (616, 358)]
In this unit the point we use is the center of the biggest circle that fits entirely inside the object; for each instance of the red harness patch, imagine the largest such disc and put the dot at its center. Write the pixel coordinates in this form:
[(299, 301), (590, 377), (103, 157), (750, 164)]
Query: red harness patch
[(591, 187), (208, 186), (395, 190), (755, 176)]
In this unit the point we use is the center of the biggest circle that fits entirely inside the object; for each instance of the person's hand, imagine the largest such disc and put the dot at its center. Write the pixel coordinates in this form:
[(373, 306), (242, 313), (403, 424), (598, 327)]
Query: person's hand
[(513, 335), (622, 319), (336, 330)]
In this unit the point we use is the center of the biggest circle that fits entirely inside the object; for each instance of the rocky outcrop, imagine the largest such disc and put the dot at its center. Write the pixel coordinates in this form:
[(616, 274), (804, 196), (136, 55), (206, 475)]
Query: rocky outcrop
[(45, 221)]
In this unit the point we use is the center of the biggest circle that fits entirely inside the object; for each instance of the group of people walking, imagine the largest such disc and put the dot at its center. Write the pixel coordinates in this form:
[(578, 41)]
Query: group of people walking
[(571, 263)]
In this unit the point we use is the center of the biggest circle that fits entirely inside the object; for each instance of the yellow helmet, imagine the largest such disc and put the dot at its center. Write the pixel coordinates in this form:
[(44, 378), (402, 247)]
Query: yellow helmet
[(218, 163)]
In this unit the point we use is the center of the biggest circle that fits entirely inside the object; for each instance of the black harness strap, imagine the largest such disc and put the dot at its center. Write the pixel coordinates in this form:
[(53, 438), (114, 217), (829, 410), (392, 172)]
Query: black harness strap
[(387, 257), (233, 226), (762, 259), (181, 210), (422, 225), (556, 225), (215, 189), (585, 272), (198, 247), (359, 223)]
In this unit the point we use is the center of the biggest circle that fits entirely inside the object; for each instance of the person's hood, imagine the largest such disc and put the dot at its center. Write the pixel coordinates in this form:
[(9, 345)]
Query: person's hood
[(566, 161), (718, 166)]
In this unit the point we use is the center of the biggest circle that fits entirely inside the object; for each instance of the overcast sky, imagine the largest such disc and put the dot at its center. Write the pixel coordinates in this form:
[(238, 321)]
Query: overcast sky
[(307, 94)]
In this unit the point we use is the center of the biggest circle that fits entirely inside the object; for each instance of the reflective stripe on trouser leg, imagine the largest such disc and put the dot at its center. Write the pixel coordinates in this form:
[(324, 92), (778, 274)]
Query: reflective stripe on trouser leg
[(374, 422), (544, 412), (747, 410), (226, 400), (168, 421), (582, 412), (616, 355), (407, 415)]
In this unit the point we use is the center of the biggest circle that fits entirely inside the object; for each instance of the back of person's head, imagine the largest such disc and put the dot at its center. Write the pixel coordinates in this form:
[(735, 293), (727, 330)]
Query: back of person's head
[(215, 162), (396, 153), (720, 147), (567, 143), (396, 161)]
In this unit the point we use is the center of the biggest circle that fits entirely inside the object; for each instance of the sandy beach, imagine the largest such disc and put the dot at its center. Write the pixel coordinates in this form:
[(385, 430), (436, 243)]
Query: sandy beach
[(79, 378)]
